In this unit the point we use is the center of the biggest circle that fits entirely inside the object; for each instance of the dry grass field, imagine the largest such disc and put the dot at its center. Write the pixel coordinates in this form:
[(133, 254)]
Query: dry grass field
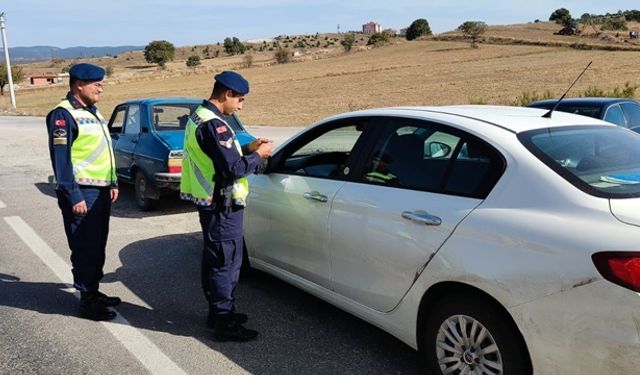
[(423, 72)]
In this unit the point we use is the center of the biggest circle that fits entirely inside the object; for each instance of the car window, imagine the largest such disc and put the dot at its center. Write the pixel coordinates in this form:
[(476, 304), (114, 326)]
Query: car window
[(117, 122), (615, 115), (325, 155), (132, 123), (171, 116), (602, 161), (422, 156), (632, 110)]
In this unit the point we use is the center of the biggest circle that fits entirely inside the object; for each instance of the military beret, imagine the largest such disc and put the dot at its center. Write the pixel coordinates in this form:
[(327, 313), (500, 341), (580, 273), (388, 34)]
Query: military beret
[(86, 72), (233, 81)]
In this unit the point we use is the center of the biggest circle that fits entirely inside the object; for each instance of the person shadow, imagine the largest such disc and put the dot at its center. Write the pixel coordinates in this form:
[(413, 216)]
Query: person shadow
[(299, 333), (170, 202)]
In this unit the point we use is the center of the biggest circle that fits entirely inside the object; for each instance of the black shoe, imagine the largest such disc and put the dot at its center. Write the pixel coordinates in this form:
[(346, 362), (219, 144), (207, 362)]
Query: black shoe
[(239, 318), (228, 330), (108, 301), (95, 310)]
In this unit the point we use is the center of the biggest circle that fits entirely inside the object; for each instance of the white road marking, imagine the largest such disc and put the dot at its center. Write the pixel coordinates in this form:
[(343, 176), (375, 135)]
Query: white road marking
[(2, 205), (131, 338)]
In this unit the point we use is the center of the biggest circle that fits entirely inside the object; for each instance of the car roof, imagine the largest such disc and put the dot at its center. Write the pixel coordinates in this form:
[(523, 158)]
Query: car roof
[(152, 101), (584, 101), (513, 119)]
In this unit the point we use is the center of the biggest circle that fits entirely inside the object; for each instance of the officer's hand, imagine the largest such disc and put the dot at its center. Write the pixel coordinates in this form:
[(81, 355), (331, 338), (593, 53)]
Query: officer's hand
[(114, 195), (264, 150), (79, 208), (253, 146)]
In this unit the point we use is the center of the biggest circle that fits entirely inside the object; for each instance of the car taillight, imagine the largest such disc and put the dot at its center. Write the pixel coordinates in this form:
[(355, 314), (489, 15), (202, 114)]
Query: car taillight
[(619, 267), (174, 162)]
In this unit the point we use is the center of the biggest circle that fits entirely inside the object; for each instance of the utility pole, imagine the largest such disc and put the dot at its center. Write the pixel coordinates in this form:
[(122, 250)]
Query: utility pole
[(6, 58)]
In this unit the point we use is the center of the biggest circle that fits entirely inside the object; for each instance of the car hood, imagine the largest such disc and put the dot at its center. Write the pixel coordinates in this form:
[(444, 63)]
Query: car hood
[(626, 210), (175, 139)]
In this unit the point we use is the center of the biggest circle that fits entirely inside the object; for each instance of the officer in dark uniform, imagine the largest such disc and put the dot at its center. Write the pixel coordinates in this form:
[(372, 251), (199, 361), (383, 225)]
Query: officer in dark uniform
[(84, 173), (213, 177)]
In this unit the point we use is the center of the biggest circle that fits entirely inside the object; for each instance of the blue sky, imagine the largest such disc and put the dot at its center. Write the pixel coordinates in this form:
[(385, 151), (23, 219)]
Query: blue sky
[(188, 22)]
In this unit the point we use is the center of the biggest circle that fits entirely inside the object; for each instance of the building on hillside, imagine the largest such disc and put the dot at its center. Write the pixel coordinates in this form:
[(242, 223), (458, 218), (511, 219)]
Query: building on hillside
[(371, 28), (48, 79)]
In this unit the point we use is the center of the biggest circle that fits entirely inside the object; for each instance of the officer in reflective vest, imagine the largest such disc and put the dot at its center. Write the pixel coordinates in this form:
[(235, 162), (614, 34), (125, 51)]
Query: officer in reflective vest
[(214, 170), (86, 184)]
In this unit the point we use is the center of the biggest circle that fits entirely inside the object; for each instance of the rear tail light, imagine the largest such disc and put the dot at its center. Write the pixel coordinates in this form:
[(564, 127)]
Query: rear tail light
[(619, 267), (174, 163)]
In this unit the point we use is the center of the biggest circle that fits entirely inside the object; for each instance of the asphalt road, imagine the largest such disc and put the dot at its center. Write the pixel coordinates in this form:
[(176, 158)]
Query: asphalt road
[(153, 263)]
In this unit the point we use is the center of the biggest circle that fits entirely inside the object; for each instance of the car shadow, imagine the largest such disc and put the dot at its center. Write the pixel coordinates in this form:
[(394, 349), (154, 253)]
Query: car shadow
[(298, 332), (126, 206)]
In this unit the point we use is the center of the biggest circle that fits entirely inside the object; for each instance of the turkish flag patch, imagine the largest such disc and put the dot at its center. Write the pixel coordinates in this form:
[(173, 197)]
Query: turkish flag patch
[(221, 129), (61, 122)]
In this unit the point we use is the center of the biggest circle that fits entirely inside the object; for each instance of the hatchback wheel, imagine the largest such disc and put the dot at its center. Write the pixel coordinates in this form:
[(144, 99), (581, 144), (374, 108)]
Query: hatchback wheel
[(141, 186), (467, 335)]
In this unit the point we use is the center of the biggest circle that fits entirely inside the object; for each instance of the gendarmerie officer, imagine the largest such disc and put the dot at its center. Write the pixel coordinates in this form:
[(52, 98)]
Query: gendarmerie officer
[(213, 177), (86, 184)]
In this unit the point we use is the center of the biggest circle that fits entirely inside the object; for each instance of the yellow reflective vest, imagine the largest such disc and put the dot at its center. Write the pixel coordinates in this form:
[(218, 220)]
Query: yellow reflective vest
[(196, 182), (91, 152)]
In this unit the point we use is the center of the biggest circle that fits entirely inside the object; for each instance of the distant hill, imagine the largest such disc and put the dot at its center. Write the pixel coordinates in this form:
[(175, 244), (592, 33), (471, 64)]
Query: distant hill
[(39, 53)]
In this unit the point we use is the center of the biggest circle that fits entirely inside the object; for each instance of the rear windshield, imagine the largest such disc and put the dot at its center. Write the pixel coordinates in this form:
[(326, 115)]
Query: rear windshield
[(174, 117), (601, 160)]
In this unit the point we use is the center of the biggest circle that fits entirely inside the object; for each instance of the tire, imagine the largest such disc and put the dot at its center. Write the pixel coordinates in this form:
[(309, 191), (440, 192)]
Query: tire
[(141, 186), (454, 342)]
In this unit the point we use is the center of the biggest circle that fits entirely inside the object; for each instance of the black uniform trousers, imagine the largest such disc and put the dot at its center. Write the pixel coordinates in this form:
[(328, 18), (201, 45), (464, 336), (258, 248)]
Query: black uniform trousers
[(221, 263), (87, 236)]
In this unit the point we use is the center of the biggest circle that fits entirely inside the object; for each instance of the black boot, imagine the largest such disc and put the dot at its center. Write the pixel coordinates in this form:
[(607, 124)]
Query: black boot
[(227, 329), (92, 308), (239, 318), (108, 301)]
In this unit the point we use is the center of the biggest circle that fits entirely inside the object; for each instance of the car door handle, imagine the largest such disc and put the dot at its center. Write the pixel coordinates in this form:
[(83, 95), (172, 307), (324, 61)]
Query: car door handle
[(315, 196), (422, 217)]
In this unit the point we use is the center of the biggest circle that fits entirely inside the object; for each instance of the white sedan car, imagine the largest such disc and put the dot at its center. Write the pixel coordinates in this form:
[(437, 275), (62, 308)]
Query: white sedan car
[(492, 239)]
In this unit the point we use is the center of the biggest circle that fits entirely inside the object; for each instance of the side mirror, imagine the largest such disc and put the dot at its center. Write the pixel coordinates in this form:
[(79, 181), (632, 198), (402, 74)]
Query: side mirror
[(438, 150)]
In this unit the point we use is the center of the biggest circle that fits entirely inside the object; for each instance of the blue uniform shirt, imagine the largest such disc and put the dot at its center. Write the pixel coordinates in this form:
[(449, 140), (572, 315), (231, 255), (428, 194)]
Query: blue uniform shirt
[(63, 130), (216, 140)]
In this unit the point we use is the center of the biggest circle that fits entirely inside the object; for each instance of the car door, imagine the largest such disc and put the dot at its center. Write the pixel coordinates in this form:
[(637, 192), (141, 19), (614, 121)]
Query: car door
[(288, 208), (418, 182), (127, 141)]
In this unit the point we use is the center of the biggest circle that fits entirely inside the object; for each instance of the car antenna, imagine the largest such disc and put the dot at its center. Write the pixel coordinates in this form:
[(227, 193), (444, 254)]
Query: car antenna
[(548, 114)]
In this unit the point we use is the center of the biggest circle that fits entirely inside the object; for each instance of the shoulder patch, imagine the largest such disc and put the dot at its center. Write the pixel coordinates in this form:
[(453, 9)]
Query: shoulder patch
[(228, 143), (61, 122), (59, 133), (221, 129)]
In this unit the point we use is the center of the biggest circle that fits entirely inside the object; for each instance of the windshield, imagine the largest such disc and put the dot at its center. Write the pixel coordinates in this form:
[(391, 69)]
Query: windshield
[(600, 160), (175, 116)]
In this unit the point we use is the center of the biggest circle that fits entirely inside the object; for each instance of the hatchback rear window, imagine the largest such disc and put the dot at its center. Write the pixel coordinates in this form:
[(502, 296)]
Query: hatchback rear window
[(600, 160)]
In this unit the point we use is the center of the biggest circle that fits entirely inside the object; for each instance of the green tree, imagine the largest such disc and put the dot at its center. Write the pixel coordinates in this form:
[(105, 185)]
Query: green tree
[(472, 30), (159, 52), (418, 28), (561, 16), (193, 61), (233, 46), (108, 71), (378, 39), (16, 73), (614, 22), (347, 41)]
